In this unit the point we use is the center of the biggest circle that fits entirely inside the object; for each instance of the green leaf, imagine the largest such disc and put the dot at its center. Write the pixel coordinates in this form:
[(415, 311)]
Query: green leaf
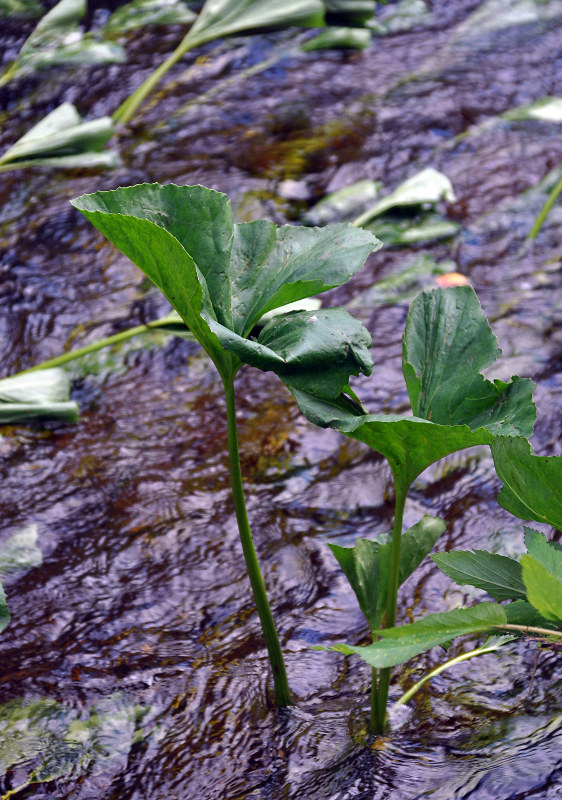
[(62, 139), (401, 644), (222, 278), (20, 8), (4, 613), (549, 554), (445, 328), (544, 591), (500, 576), (37, 395), (531, 484), (58, 39), (141, 13), (427, 187), (339, 39), (447, 342), (220, 18), (521, 612), (367, 564), (343, 204)]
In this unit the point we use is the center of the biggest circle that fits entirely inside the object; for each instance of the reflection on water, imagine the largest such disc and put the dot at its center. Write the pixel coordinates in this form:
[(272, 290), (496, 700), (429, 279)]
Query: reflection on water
[(134, 659)]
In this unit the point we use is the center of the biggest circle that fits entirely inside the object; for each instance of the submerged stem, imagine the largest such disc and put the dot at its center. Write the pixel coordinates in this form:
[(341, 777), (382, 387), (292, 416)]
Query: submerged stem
[(378, 709), (282, 692)]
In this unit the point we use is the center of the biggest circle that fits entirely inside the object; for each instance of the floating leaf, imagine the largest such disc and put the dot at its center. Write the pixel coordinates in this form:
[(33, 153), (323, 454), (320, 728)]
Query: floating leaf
[(343, 204), (57, 39), (222, 278), (62, 139), (20, 551), (141, 13), (35, 395), (544, 590), (426, 188), (531, 483), (339, 39), (500, 576), (401, 644), (366, 564)]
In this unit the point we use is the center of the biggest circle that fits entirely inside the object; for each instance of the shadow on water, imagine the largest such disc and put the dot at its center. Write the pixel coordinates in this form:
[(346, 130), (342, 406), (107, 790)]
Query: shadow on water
[(133, 666)]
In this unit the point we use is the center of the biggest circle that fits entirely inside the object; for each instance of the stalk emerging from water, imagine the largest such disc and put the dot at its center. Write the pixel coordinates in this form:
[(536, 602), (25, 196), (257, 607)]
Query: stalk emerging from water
[(282, 693)]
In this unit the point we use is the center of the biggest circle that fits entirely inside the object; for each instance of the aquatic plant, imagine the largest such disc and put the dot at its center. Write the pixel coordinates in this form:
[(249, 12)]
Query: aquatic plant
[(222, 278), (446, 344)]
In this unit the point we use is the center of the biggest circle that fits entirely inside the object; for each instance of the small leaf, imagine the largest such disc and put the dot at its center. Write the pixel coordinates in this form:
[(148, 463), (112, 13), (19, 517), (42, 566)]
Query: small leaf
[(544, 591), (531, 484), (549, 554), (367, 564), (141, 13), (500, 576), (520, 612), (401, 644), (339, 39)]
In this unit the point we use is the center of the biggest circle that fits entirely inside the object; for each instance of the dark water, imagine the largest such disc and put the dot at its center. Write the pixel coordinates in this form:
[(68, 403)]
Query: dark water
[(134, 661)]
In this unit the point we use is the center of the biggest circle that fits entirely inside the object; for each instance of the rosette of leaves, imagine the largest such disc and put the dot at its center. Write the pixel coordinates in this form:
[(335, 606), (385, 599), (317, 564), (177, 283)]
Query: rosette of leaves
[(222, 278), (446, 344)]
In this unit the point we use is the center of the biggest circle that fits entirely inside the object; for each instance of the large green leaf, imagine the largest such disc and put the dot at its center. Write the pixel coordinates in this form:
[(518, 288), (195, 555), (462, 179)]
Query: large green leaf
[(531, 484), (447, 341), (367, 564), (498, 575), (401, 644), (222, 277), (544, 590)]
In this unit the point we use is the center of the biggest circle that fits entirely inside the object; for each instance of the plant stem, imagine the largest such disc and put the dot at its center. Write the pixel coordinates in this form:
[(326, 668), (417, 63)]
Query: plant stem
[(378, 720), (282, 693), (530, 629), (479, 651), (545, 209), (128, 108), (117, 338)]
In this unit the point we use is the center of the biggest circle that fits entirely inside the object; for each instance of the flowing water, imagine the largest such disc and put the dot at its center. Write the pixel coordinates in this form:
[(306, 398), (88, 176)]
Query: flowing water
[(134, 666)]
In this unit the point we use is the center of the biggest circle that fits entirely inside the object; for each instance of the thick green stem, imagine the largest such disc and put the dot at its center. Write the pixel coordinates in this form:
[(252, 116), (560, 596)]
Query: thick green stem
[(379, 717), (282, 693)]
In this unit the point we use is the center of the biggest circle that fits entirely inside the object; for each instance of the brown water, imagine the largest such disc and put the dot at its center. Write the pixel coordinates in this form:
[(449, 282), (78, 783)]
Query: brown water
[(138, 628)]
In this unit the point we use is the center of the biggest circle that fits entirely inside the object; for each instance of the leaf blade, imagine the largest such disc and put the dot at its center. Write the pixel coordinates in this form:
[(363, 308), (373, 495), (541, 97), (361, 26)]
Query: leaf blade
[(498, 575)]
